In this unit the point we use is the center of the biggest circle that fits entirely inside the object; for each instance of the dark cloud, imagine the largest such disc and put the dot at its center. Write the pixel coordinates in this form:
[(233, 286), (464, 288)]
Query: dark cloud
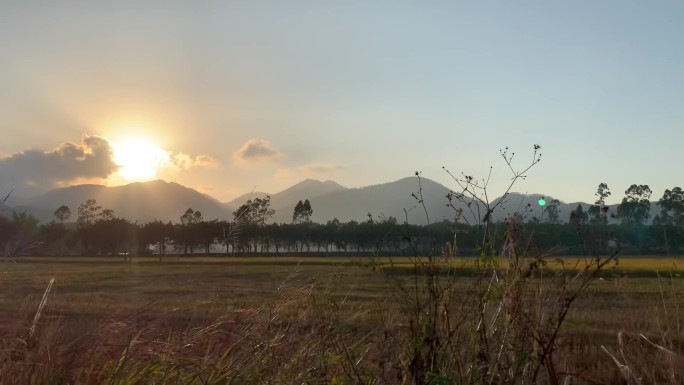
[(257, 150), (35, 170)]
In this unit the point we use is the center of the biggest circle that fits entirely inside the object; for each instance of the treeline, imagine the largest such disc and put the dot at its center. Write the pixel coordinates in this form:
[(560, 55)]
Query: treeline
[(110, 235), (98, 231)]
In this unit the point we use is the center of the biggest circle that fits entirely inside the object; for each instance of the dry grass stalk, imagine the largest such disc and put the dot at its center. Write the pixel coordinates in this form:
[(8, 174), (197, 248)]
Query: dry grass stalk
[(41, 306)]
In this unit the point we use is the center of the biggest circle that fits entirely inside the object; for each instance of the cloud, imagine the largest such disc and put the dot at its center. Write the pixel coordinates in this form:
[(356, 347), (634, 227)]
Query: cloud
[(312, 170), (182, 161), (257, 150), (205, 188), (206, 161), (35, 169)]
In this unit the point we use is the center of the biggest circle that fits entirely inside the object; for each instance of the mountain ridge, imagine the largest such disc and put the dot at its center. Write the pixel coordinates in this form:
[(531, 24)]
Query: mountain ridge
[(167, 201), (139, 201)]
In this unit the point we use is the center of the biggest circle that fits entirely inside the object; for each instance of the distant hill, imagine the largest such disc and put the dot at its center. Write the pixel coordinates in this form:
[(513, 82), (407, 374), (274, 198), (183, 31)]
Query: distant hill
[(285, 201), (140, 202), (306, 189), (383, 200), (166, 201), (242, 199), (528, 206), (516, 202)]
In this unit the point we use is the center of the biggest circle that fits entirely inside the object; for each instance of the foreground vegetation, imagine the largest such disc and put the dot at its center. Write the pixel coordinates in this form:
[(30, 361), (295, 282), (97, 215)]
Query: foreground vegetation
[(330, 320), (515, 314)]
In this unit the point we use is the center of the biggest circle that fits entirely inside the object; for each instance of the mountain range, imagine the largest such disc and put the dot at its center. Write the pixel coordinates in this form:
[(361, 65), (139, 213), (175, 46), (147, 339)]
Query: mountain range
[(142, 201), (167, 201)]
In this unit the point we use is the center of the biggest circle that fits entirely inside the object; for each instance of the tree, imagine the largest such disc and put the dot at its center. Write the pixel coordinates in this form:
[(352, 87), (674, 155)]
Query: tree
[(244, 213), (635, 206), (263, 210), (156, 232), (197, 217), (187, 217), (302, 212), (188, 233), (672, 207), (602, 192), (599, 211), (106, 215), (671, 213), (333, 233), (553, 211), (308, 211), (25, 229), (54, 235), (296, 215), (63, 213), (578, 215), (88, 213), (257, 211), (8, 233), (111, 236)]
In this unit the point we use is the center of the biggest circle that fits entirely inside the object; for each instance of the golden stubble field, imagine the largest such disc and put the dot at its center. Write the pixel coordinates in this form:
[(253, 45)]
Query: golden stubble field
[(109, 303)]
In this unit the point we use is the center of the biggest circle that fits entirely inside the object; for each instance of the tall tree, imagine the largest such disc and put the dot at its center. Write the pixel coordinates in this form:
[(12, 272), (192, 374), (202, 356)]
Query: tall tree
[(106, 215), (188, 217), (263, 211), (197, 217), (552, 210), (635, 206), (156, 232), (88, 213), (111, 236), (672, 207), (578, 215), (54, 236), (244, 213), (296, 215), (602, 192), (187, 233), (27, 226), (308, 211), (257, 211), (63, 213), (302, 212), (599, 211), (8, 234)]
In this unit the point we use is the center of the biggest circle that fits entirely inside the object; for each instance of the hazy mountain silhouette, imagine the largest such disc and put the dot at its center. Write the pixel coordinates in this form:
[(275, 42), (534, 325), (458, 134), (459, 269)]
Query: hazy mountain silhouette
[(517, 202), (141, 202), (166, 201), (383, 200), (242, 199), (285, 201)]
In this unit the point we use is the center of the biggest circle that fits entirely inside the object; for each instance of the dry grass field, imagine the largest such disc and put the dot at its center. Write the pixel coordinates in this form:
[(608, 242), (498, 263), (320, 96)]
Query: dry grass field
[(282, 319)]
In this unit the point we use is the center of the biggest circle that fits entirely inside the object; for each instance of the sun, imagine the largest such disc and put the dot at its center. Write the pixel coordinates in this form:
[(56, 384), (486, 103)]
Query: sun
[(139, 159)]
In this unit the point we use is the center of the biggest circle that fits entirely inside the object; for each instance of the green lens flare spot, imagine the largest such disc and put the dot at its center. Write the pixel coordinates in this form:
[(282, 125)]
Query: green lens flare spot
[(541, 202)]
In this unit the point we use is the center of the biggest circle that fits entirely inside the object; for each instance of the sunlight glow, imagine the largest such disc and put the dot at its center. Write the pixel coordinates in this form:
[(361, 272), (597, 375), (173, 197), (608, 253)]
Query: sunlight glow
[(139, 159)]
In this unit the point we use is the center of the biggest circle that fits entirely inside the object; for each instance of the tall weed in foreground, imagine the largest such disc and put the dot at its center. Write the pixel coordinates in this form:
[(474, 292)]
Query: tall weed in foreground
[(506, 326)]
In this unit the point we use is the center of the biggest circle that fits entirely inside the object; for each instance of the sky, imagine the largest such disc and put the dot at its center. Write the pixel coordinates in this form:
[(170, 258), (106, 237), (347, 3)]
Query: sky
[(234, 96)]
